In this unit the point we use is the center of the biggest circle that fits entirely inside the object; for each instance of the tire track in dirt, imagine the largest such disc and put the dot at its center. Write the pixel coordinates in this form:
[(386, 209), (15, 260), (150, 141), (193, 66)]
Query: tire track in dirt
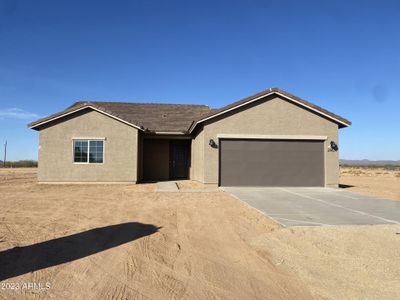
[(119, 286)]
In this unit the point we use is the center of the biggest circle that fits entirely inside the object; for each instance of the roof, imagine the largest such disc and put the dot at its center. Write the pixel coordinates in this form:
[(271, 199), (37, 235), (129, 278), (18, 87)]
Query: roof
[(144, 116), (342, 122), (176, 118)]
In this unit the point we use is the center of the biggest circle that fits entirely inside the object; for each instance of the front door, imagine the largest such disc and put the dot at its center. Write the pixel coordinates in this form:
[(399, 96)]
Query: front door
[(179, 159)]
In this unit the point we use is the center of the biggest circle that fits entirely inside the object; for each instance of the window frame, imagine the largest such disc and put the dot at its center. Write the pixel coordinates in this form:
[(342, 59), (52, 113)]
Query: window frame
[(88, 140)]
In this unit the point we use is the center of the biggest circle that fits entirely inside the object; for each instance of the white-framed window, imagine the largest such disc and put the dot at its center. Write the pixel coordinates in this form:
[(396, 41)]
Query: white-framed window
[(88, 151)]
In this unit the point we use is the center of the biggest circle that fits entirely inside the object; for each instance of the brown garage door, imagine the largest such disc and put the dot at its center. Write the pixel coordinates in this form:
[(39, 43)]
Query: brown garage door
[(271, 162)]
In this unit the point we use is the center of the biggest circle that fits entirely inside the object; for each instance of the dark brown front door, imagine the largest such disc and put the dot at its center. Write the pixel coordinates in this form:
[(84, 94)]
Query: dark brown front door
[(179, 159)]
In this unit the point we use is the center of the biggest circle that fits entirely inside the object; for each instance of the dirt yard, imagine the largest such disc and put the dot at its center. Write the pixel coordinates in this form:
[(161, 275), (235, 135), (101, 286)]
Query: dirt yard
[(128, 242), (183, 245), (379, 182)]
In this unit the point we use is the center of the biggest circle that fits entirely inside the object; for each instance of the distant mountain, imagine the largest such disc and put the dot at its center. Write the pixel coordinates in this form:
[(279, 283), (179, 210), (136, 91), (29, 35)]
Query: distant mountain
[(367, 162)]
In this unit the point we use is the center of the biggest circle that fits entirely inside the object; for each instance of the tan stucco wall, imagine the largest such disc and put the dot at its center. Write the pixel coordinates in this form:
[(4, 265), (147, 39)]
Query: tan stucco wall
[(56, 150), (197, 157), (273, 116)]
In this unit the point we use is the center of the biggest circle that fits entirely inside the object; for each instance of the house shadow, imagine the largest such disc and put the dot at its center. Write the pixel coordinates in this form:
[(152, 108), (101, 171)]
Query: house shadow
[(22, 260), (345, 186)]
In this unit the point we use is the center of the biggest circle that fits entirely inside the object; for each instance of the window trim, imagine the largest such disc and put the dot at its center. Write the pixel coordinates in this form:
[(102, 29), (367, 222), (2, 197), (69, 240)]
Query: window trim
[(88, 140)]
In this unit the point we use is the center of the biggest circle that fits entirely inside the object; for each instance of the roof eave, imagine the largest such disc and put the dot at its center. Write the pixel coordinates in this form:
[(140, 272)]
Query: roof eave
[(341, 123), (159, 132), (35, 125)]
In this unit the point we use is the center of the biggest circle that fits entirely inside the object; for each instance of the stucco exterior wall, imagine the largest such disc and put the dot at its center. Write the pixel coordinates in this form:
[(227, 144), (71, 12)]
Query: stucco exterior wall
[(197, 157), (56, 150), (272, 116)]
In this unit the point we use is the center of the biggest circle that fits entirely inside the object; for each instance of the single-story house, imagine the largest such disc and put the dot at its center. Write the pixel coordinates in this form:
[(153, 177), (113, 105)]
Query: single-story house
[(272, 138)]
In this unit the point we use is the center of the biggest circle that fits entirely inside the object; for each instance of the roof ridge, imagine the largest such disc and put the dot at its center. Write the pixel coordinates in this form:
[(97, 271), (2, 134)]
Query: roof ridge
[(88, 102)]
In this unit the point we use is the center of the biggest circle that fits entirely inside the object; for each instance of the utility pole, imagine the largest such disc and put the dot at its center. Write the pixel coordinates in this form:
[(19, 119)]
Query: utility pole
[(5, 154)]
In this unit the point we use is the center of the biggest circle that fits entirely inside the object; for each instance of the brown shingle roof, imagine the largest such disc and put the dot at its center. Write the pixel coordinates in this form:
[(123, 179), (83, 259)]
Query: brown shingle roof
[(149, 116), (174, 117), (270, 91)]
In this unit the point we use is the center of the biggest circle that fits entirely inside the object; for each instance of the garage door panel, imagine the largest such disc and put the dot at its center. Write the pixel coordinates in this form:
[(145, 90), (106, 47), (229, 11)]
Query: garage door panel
[(271, 163)]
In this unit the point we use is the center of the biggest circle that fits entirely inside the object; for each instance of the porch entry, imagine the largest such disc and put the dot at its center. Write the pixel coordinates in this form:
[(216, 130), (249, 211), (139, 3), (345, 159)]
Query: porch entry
[(166, 159)]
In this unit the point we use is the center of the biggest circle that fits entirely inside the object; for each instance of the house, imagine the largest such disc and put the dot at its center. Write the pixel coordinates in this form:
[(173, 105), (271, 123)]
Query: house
[(272, 138)]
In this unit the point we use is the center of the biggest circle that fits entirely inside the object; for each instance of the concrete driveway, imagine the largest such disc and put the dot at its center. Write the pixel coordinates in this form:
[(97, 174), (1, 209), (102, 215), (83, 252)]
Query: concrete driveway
[(318, 206)]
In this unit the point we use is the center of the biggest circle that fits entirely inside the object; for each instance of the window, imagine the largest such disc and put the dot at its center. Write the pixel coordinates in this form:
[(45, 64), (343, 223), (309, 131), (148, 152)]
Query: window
[(88, 151)]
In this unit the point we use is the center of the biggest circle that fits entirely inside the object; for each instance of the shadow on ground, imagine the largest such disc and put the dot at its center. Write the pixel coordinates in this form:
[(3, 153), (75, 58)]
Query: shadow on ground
[(345, 186), (22, 260)]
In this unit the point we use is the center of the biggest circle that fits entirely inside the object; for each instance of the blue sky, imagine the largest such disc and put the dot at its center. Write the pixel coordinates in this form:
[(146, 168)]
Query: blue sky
[(341, 55)]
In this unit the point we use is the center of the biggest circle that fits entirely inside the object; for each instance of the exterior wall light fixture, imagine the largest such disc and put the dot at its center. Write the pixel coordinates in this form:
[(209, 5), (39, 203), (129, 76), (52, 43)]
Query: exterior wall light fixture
[(212, 144), (333, 146)]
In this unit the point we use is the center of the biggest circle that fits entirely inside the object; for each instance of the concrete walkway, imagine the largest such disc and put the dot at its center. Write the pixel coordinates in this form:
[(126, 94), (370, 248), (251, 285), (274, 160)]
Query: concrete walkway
[(172, 187), (207, 190), (167, 186)]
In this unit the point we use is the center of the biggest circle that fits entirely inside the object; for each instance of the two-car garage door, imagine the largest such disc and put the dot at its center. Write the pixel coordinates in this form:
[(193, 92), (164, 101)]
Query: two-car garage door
[(247, 162)]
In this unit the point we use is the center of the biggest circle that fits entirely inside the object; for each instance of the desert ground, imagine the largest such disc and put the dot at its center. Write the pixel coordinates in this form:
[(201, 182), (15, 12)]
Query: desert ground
[(380, 182), (130, 242)]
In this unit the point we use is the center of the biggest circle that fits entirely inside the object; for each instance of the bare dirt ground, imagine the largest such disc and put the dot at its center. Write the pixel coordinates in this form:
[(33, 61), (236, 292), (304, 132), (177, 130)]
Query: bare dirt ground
[(341, 262), (179, 246), (182, 245), (379, 182)]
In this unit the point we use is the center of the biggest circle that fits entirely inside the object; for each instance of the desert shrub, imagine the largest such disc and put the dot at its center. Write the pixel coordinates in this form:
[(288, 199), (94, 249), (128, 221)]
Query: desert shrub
[(20, 164)]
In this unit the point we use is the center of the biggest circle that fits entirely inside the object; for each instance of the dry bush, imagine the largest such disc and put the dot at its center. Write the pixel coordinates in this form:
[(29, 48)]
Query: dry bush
[(392, 171)]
